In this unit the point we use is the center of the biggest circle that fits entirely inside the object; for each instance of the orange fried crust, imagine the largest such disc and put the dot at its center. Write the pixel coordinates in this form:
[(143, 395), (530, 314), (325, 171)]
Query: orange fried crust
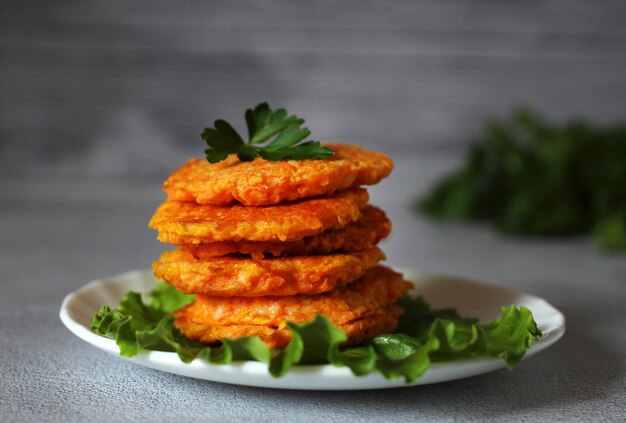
[(189, 223), (261, 182), (383, 320), (226, 276), (363, 309), (360, 235)]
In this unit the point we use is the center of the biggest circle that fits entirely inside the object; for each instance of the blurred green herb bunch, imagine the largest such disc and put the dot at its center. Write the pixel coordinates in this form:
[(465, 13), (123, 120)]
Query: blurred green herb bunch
[(532, 177)]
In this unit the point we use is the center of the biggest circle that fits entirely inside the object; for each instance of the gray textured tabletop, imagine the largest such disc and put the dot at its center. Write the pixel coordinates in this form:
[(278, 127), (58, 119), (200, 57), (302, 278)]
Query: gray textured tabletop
[(56, 235)]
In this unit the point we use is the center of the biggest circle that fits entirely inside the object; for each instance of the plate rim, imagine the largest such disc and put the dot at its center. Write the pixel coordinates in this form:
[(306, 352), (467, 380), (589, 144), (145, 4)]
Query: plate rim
[(329, 372)]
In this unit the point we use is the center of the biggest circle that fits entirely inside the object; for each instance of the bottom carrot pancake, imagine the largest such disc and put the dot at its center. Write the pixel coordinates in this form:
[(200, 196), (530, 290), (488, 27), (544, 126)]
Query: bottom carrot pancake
[(359, 235), (362, 309), (244, 276)]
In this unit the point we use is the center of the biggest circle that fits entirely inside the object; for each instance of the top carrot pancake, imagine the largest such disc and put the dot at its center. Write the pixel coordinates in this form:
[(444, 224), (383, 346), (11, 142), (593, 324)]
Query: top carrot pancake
[(262, 182)]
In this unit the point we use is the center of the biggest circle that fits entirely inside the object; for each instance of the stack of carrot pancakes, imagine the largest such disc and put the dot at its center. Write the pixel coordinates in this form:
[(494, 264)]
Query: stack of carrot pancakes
[(262, 243)]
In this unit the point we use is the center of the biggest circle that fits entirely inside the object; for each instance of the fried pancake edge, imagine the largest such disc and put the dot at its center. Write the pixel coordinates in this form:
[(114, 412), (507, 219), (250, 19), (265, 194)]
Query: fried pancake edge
[(248, 277), (261, 182)]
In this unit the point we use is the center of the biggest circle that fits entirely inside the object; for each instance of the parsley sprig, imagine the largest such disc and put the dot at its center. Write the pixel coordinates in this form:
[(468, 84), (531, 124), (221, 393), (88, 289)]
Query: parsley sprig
[(272, 134)]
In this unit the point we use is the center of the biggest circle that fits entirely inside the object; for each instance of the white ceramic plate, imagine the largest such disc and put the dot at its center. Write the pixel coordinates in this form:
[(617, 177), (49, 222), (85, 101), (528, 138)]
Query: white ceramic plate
[(470, 298)]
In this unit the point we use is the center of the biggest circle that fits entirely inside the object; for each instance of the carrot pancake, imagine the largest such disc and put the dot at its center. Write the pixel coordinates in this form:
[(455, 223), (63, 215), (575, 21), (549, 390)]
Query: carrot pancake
[(189, 223), (241, 276), (261, 182), (359, 235), (362, 309), (383, 320)]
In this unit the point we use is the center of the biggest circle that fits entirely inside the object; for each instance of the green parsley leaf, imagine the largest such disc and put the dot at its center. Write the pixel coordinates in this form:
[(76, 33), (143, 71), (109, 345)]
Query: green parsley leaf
[(423, 336), (263, 123), (307, 150), (222, 141), (281, 130)]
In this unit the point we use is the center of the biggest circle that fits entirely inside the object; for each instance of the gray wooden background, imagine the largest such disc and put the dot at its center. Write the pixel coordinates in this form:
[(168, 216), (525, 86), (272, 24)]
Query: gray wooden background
[(125, 87)]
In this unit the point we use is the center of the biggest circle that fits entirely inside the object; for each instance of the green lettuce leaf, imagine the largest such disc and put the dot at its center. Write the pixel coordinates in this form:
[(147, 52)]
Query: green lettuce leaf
[(424, 335), (400, 355)]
